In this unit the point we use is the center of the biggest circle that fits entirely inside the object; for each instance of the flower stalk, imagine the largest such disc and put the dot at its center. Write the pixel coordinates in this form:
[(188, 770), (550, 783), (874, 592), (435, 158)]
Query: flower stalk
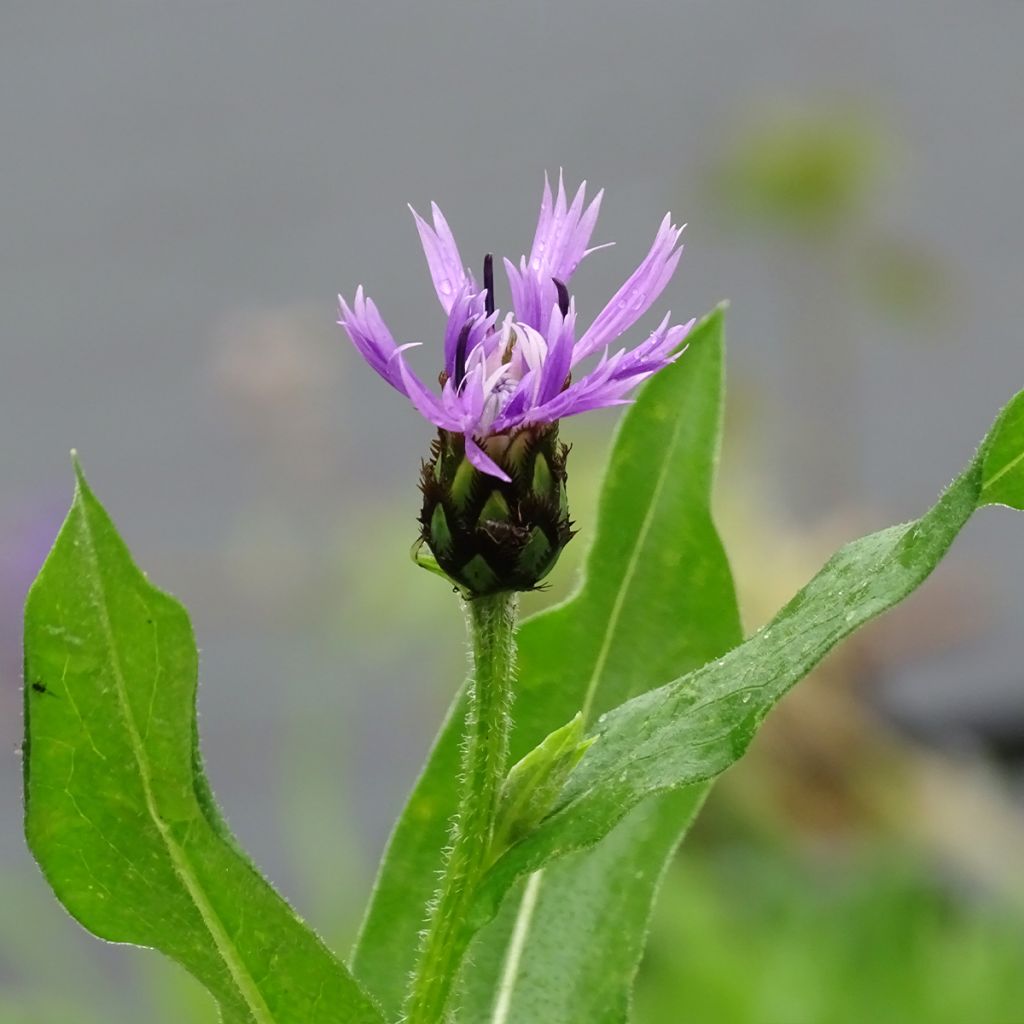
[(491, 621), (495, 514)]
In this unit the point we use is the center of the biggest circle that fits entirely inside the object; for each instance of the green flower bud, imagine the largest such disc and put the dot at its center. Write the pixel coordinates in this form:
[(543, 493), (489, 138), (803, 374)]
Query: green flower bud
[(487, 535), (533, 784)]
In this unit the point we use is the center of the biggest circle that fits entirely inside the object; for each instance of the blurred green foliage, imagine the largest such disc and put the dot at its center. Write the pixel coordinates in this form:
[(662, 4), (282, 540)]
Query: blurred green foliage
[(799, 169), (819, 174), (750, 935)]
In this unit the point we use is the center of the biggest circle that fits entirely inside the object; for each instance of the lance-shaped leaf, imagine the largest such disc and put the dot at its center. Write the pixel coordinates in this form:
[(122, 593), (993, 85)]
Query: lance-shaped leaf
[(656, 600), (696, 727), (118, 812)]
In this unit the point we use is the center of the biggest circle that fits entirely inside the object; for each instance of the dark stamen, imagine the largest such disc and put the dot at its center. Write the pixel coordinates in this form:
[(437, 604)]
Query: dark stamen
[(563, 296), (489, 283), (460, 356)]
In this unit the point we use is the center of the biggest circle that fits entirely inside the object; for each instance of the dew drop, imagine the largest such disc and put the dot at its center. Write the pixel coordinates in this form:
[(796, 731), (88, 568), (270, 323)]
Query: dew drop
[(446, 287)]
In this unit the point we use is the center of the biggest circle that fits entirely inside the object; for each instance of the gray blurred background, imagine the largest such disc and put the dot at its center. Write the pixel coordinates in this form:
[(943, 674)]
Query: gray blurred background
[(185, 187)]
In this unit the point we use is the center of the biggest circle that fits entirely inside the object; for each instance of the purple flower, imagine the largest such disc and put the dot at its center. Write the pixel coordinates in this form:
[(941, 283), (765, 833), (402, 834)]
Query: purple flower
[(506, 372)]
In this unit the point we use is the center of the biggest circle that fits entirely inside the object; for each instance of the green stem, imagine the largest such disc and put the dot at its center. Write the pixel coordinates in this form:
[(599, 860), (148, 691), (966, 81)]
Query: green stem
[(491, 622)]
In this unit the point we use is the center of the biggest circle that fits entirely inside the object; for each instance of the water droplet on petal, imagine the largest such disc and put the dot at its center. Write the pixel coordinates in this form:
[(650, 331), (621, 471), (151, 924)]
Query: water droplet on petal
[(445, 286)]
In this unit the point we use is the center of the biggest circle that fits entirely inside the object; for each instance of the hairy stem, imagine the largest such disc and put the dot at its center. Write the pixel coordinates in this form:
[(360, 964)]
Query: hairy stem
[(491, 622)]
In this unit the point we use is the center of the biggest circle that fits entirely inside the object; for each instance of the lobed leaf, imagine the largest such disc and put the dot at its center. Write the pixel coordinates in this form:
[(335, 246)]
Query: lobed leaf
[(118, 812)]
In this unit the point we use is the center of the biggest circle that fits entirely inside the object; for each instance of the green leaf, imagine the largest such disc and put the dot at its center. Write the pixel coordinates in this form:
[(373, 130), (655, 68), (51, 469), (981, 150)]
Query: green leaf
[(656, 601), (118, 813), (694, 728), (533, 783), (1003, 474)]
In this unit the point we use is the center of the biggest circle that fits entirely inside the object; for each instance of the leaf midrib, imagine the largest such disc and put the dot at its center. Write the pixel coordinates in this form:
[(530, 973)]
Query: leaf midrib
[(999, 474), (516, 945), (627, 577), (227, 950)]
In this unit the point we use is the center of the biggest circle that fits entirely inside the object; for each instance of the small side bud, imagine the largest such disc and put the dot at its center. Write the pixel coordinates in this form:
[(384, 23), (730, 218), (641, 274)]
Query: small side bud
[(533, 784)]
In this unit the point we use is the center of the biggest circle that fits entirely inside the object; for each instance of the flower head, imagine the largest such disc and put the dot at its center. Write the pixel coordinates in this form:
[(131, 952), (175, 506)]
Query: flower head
[(495, 515), (504, 372)]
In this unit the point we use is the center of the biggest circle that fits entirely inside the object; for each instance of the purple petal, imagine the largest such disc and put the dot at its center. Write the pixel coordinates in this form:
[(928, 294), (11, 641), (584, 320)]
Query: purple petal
[(615, 376), (560, 242), (513, 414), (446, 267), (561, 335), (561, 239), (468, 308), (523, 289), (660, 349), (483, 462), (472, 395), (637, 295), (370, 335), (559, 245), (425, 403), (588, 403)]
